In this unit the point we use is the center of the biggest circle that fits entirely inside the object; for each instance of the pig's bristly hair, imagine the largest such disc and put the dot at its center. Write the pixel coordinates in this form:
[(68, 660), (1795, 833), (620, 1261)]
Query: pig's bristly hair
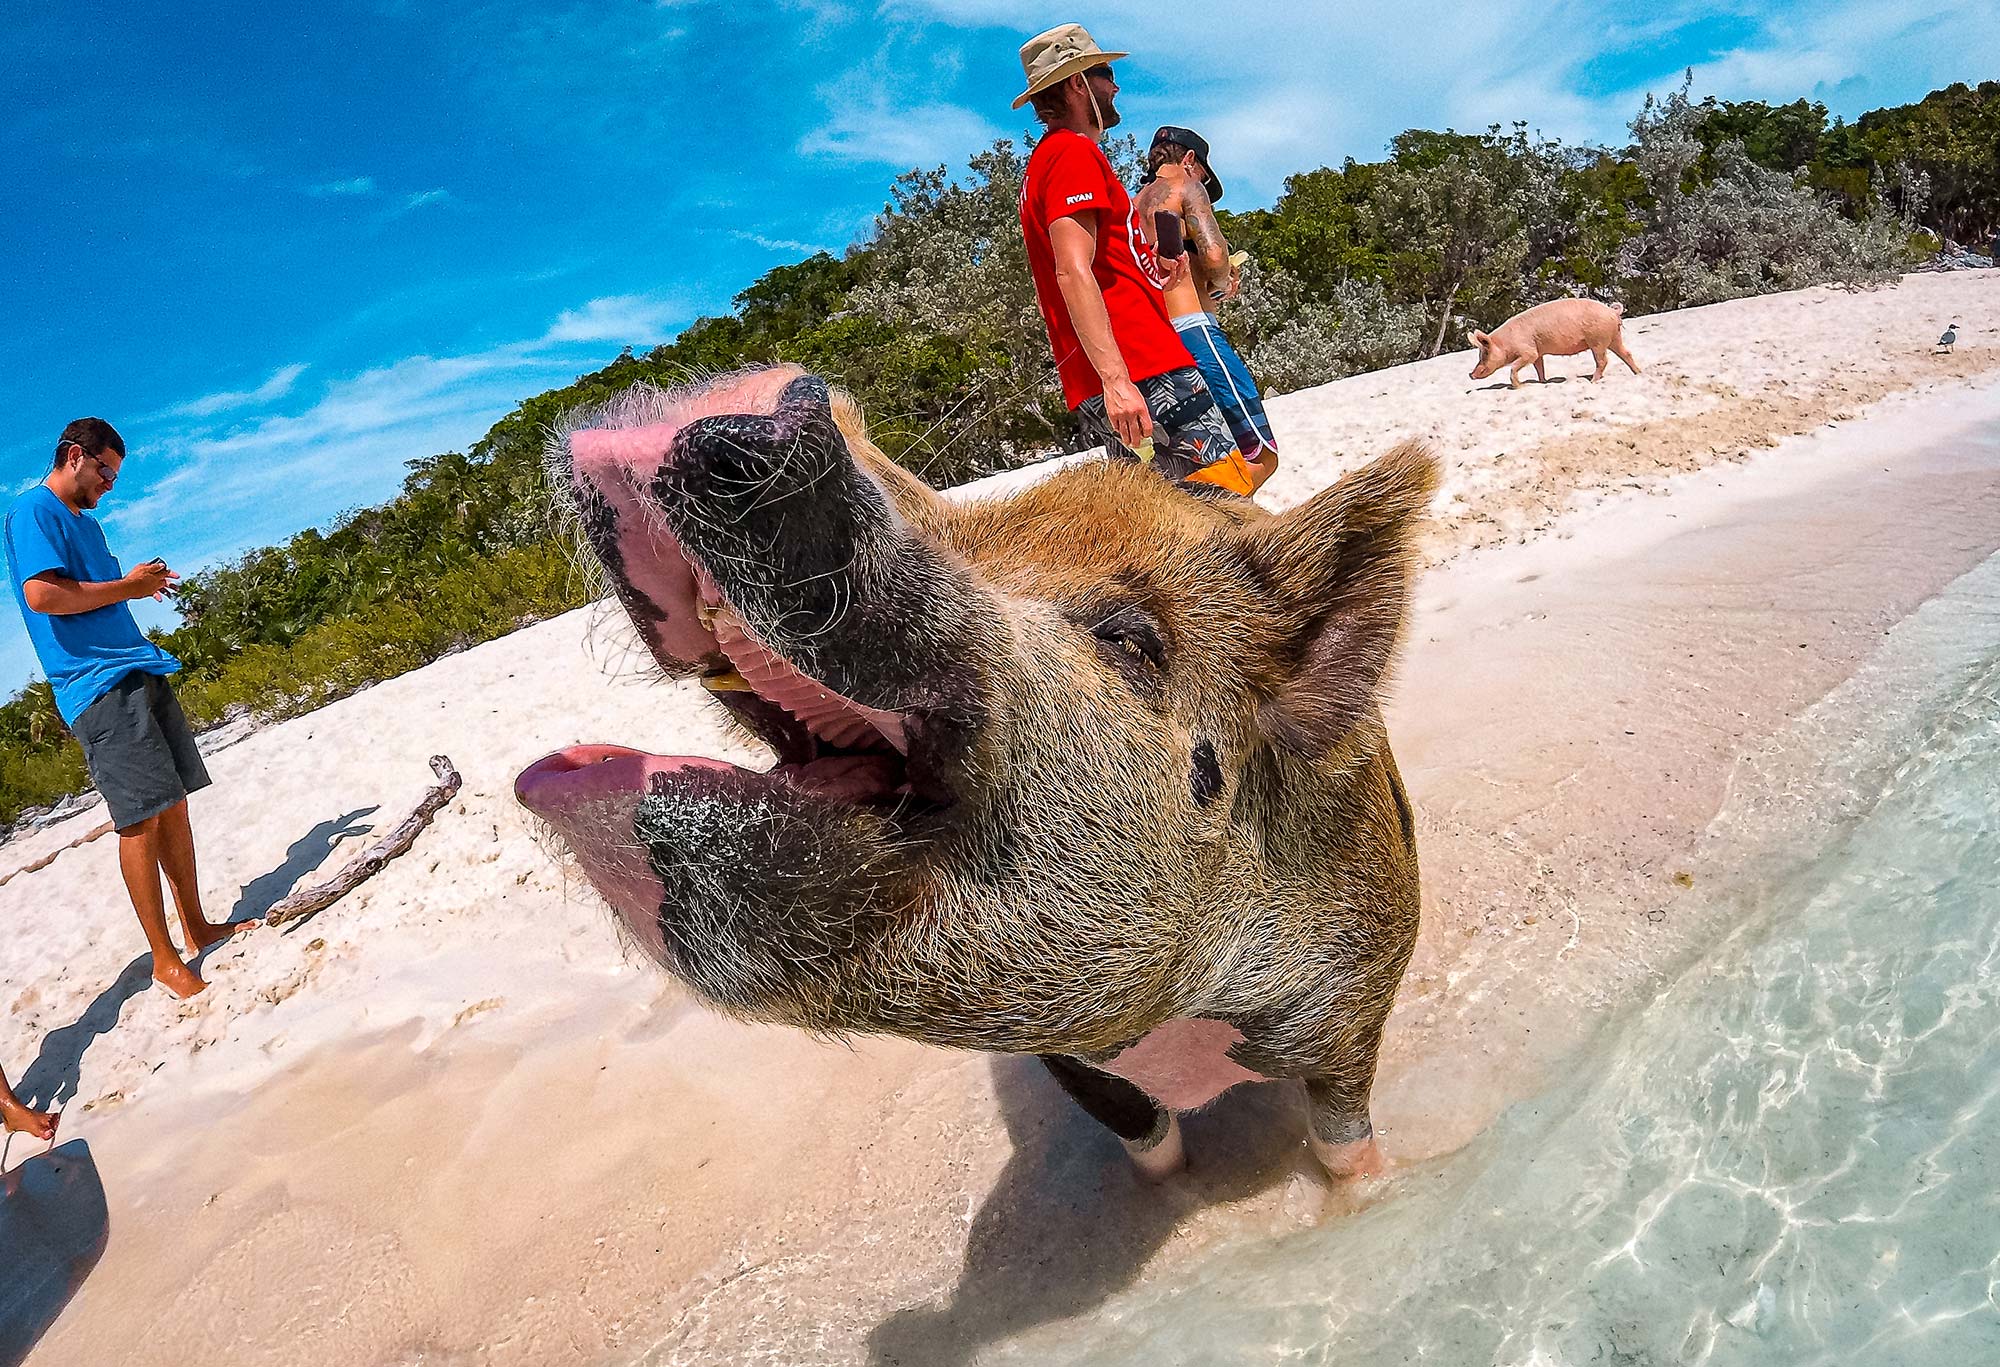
[(1080, 895)]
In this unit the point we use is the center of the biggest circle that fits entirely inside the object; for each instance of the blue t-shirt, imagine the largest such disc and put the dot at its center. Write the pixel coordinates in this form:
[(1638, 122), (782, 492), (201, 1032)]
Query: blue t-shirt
[(83, 653)]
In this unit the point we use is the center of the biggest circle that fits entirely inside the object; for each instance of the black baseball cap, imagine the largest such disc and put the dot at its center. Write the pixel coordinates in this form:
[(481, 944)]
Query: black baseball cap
[(1197, 144)]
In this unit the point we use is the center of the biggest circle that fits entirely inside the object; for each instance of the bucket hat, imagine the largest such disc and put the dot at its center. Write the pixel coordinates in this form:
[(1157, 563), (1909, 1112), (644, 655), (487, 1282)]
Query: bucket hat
[(1053, 57)]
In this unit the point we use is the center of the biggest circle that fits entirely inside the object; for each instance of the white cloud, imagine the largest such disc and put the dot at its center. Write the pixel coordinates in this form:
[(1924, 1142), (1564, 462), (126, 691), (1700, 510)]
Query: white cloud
[(279, 468), (1846, 48), (627, 319), (410, 203), (258, 481), (357, 185), (778, 244), (824, 14), (869, 127), (279, 385), (1304, 85)]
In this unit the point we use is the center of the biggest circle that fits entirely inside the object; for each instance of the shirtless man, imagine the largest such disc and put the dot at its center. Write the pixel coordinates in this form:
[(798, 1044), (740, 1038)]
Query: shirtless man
[(1180, 180)]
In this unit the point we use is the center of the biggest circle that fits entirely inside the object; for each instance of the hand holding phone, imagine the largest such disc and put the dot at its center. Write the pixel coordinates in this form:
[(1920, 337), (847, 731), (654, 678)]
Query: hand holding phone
[(152, 579)]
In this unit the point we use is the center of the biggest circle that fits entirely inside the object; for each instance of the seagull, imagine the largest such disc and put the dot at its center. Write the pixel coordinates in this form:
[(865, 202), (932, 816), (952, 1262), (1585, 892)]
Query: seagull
[(1949, 339)]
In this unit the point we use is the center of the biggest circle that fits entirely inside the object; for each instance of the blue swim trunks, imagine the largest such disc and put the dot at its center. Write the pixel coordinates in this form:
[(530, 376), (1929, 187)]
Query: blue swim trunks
[(1229, 380)]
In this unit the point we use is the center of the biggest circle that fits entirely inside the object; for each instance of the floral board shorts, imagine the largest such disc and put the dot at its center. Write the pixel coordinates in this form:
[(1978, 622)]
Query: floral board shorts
[(1189, 433)]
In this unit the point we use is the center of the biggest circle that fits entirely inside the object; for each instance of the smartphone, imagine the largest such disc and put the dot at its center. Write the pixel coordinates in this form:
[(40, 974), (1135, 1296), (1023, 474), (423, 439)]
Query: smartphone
[(1167, 241)]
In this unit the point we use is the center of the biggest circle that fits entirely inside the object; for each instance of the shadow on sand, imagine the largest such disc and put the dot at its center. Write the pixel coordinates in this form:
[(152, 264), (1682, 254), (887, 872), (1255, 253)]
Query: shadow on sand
[(306, 853), (51, 1079), (1070, 1223), (1553, 379), (54, 1226)]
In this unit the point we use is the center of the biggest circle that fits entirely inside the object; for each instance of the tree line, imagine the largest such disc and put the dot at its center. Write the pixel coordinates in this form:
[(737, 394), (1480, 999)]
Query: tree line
[(931, 322)]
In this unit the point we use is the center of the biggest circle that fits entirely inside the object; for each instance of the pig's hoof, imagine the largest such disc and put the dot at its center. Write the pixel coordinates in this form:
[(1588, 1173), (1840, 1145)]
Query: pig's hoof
[(1162, 1158), (1356, 1158)]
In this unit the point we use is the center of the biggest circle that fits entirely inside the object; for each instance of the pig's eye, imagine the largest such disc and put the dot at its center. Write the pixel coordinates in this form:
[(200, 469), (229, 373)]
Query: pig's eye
[(1131, 637)]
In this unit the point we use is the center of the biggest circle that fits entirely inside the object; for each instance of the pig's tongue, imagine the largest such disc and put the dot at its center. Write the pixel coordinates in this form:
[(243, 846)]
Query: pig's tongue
[(572, 787), (831, 717), (558, 785)]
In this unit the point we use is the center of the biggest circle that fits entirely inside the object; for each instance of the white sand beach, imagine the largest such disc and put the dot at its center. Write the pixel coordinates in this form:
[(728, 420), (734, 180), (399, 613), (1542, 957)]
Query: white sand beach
[(450, 1120)]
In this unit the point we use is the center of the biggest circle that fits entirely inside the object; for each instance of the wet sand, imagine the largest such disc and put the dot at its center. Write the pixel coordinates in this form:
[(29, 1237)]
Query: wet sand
[(447, 1122)]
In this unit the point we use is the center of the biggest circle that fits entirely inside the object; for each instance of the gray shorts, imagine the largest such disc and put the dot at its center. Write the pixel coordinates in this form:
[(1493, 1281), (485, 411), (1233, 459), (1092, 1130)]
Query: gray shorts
[(142, 756), (1188, 429)]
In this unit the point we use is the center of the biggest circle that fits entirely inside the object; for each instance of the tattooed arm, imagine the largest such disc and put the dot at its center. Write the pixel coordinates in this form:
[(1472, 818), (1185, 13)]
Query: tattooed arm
[(1208, 249)]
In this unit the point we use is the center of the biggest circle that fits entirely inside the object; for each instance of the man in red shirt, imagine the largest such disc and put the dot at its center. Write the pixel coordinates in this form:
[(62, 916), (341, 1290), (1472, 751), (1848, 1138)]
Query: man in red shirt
[(1125, 372)]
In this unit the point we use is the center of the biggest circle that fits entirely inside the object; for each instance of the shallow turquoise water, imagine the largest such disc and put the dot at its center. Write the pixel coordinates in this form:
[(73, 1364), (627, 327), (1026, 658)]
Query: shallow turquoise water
[(1790, 1156)]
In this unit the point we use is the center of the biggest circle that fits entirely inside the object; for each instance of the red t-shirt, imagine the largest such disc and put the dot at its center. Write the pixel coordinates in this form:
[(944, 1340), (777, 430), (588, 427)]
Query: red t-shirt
[(1069, 174)]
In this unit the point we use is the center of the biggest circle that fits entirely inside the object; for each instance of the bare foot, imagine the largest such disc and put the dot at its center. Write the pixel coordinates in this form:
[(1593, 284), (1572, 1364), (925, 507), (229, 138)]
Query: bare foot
[(178, 978), (18, 1119), (202, 934)]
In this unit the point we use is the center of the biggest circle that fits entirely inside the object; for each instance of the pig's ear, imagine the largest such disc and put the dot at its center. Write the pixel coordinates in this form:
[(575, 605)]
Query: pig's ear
[(1478, 337), (1336, 575)]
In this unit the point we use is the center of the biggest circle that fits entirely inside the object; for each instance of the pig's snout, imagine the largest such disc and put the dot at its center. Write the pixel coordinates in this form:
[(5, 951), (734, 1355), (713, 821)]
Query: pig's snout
[(622, 458)]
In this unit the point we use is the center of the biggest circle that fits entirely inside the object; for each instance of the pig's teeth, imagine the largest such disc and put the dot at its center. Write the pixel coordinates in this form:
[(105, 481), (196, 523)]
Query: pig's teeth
[(726, 681), (707, 613)]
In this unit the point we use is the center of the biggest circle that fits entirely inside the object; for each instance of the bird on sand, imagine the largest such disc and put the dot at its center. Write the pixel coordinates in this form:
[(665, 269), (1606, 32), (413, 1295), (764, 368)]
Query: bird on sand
[(1950, 338)]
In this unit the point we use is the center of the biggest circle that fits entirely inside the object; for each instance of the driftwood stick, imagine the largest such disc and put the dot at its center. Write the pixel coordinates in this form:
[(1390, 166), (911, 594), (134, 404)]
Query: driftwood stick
[(306, 901), (102, 828)]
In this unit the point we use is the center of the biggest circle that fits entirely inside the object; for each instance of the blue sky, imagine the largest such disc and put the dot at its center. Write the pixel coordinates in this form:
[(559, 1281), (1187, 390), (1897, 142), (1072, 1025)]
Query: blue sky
[(287, 248)]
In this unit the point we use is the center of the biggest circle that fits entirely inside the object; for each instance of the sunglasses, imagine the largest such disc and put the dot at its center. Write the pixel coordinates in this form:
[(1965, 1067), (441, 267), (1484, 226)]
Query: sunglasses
[(104, 472), (1101, 69)]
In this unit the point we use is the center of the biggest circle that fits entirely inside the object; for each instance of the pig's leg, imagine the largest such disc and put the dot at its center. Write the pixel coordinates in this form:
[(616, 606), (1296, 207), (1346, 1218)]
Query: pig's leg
[(1618, 350), (1337, 1126), (1597, 352), (1514, 375), (1541, 374), (1149, 1131)]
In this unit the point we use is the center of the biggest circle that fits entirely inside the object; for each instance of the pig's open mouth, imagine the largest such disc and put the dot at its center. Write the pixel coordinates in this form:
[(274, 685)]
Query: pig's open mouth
[(826, 745), (731, 521)]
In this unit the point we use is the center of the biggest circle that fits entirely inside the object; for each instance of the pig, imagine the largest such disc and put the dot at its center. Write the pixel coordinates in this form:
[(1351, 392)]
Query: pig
[(1561, 327), (1095, 771)]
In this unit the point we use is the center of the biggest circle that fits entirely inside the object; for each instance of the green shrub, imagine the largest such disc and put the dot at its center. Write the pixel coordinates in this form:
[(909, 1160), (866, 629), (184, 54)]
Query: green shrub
[(472, 602), (38, 778)]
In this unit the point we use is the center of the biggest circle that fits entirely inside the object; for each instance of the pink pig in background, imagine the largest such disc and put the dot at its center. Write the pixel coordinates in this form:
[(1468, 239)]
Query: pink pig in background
[(1561, 327)]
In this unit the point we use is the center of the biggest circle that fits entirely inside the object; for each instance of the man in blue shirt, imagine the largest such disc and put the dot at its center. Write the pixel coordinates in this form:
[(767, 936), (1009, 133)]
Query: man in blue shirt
[(111, 685)]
